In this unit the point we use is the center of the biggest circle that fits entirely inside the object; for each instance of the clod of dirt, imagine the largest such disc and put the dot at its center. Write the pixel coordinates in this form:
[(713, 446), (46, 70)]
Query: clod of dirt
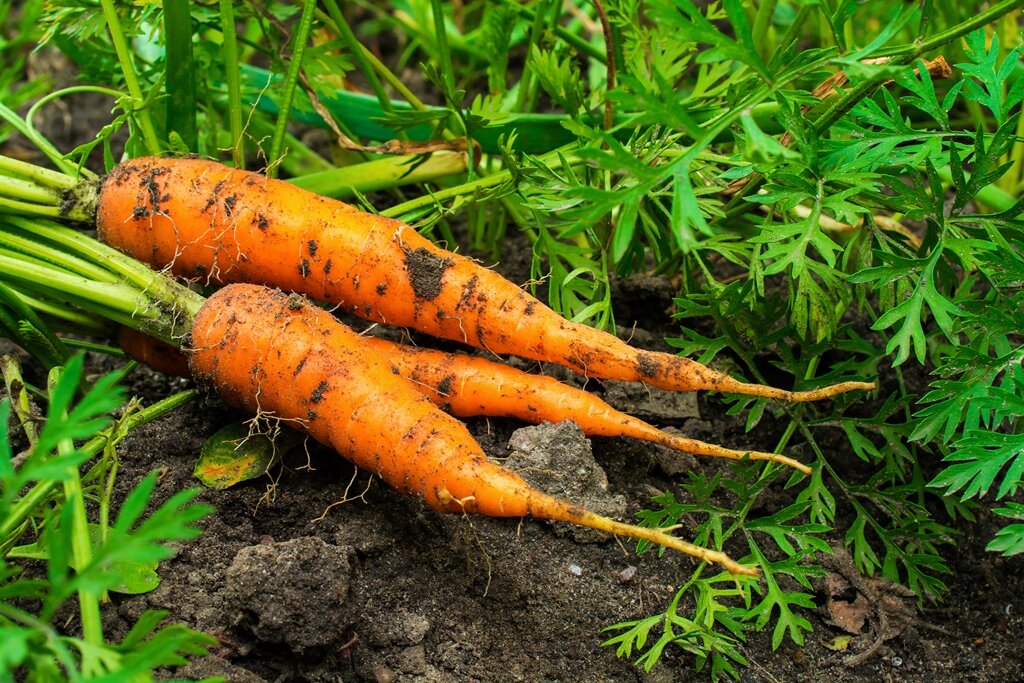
[(652, 405), (556, 459), (296, 592), (211, 666)]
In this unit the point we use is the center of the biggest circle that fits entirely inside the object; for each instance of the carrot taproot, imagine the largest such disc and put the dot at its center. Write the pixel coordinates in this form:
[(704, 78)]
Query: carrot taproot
[(208, 221), (281, 356), (472, 386), (469, 386)]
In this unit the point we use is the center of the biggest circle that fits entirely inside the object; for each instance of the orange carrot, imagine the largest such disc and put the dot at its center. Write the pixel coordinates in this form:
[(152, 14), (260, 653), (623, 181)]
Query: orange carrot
[(469, 386), (281, 356), (150, 351), (208, 221)]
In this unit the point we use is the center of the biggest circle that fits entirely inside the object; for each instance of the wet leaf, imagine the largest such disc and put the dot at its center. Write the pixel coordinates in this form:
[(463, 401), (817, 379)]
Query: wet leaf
[(233, 455)]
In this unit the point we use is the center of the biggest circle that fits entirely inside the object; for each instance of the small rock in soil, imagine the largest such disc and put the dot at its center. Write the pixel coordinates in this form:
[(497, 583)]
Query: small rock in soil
[(650, 404), (396, 628), (556, 459), (295, 592)]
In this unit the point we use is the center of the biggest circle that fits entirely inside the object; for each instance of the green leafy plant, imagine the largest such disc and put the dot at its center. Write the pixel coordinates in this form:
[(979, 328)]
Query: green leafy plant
[(53, 559)]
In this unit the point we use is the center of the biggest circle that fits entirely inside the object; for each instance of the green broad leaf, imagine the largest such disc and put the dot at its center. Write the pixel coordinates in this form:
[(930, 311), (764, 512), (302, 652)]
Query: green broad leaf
[(1010, 539), (235, 454), (907, 316), (780, 603), (759, 147), (15, 648), (985, 78), (981, 458), (121, 576)]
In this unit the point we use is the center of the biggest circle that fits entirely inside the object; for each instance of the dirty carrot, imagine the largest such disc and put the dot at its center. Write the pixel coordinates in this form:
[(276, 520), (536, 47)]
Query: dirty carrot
[(281, 356), (210, 222), (471, 386)]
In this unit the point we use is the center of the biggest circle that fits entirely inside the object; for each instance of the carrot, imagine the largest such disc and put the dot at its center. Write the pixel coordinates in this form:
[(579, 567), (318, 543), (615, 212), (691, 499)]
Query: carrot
[(281, 356), (469, 386), (208, 221), (150, 351)]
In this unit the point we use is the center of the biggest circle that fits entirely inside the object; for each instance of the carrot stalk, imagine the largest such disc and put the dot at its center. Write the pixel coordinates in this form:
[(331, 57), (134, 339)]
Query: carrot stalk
[(281, 356), (210, 222)]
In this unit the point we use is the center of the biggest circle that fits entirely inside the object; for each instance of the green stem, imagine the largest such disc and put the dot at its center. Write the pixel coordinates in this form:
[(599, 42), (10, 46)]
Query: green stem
[(131, 80), (444, 55), (290, 83), (344, 30), (233, 77), (81, 550), (180, 76), (44, 145), (381, 174), (36, 174), (474, 186), (19, 189)]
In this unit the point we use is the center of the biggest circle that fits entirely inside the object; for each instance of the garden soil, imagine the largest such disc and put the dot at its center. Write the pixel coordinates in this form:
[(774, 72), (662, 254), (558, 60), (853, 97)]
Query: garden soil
[(316, 573)]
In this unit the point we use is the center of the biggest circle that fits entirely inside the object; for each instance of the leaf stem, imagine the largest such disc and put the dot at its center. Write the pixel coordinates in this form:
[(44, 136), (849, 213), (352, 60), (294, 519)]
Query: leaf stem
[(232, 73), (179, 70), (131, 80), (299, 41)]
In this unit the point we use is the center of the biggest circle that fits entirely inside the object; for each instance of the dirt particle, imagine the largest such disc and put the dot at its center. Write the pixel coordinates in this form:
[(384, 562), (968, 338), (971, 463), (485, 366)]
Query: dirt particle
[(382, 288), (311, 245), (310, 415), (468, 293), (529, 308), (444, 387), (298, 368), (328, 266), (318, 393), (212, 201), (229, 204), (426, 271), (262, 222), (304, 268), (647, 365)]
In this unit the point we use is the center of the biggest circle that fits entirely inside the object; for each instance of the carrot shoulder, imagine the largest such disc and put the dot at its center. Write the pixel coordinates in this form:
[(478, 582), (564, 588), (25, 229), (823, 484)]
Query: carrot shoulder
[(281, 356), (208, 221)]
